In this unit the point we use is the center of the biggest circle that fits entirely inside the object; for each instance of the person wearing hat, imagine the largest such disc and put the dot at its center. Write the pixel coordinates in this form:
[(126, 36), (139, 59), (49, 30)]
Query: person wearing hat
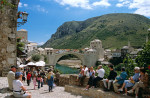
[(11, 77), (132, 80), (19, 90)]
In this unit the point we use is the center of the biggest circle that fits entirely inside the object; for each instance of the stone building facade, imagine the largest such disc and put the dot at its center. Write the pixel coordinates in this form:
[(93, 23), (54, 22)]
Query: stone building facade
[(8, 29), (23, 34)]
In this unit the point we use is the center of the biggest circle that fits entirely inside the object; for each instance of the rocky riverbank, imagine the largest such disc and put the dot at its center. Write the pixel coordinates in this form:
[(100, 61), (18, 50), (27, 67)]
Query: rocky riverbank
[(70, 63)]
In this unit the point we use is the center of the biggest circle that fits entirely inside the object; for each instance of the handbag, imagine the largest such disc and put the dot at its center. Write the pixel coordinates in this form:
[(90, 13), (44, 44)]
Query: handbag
[(132, 81), (22, 92)]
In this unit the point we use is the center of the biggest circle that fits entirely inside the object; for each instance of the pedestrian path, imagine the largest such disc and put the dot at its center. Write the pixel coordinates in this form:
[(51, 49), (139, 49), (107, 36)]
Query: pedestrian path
[(58, 92)]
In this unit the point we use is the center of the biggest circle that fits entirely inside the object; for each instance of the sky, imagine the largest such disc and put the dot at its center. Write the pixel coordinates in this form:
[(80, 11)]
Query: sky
[(45, 16)]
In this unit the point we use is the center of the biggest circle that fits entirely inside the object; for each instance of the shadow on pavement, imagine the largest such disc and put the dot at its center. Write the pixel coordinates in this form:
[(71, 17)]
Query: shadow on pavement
[(5, 90), (9, 96), (45, 92)]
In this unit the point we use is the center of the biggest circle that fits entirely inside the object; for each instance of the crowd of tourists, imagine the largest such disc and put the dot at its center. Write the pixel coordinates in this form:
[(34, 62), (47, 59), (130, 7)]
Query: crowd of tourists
[(38, 77), (138, 80)]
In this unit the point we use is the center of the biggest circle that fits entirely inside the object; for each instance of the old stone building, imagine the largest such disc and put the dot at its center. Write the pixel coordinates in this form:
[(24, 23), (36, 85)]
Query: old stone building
[(23, 34), (8, 29)]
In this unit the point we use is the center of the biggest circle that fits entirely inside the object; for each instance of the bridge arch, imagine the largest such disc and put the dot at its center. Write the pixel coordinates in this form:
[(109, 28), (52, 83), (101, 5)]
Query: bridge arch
[(79, 55)]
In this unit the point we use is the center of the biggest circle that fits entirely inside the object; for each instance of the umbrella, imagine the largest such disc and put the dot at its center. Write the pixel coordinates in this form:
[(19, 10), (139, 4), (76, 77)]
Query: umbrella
[(40, 63), (21, 66), (31, 64)]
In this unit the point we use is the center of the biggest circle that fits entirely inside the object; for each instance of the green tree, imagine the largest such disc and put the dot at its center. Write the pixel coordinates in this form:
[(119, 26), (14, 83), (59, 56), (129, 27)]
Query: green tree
[(143, 58), (116, 60), (20, 46), (45, 58), (129, 64), (36, 57)]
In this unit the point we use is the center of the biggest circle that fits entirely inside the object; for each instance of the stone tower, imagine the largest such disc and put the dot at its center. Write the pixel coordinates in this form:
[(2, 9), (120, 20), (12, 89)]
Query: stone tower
[(23, 34), (97, 45), (90, 57)]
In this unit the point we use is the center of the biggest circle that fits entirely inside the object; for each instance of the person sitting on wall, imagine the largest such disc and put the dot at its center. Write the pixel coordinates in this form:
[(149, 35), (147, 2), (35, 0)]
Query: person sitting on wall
[(92, 77), (19, 90), (85, 68), (143, 82), (119, 80), (11, 77), (110, 79), (131, 81), (100, 76), (81, 74)]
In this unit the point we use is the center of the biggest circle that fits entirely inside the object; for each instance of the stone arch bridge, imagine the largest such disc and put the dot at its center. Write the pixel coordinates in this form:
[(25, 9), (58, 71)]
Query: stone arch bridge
[(53, 58), (88, 57)]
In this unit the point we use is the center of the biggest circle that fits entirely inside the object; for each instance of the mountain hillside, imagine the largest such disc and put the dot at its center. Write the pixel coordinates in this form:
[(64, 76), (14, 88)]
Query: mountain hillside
[(113, 29)]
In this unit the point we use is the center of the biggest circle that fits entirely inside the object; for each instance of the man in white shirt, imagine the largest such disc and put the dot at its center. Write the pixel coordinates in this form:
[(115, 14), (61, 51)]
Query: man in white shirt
[(11, 77), (19, 91), (100, 76), (85, 70)]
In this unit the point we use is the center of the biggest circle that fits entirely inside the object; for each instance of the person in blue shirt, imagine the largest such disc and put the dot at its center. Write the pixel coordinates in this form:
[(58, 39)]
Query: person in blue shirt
[(119, 80), (50, 81), (132, 80)]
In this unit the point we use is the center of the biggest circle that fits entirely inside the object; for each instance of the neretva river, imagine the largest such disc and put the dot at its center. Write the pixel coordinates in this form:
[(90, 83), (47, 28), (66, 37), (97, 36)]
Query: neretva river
[(66, 70)]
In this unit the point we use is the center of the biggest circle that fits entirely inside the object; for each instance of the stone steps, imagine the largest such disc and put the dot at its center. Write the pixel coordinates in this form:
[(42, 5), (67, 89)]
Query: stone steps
[(93, 92)]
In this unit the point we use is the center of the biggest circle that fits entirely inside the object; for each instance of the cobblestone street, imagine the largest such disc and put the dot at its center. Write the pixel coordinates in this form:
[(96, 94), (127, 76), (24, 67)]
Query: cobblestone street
[(38, 93)]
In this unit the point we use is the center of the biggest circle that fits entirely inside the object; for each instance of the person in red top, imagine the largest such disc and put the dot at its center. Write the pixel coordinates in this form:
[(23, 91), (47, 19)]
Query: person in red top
[(28, 78)]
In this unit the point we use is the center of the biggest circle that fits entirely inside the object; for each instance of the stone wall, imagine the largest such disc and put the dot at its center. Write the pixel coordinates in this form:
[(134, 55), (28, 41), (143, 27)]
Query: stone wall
[(63, 80), (92, 92), (8, 29), (71, 80)]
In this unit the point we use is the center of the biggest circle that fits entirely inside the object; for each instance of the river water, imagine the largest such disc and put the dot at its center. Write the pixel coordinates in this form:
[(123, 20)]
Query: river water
[(66, 70)]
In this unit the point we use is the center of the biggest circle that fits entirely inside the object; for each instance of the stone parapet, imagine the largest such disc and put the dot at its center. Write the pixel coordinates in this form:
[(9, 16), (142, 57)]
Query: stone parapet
[(93, 92), (63, 80), (71, 80)]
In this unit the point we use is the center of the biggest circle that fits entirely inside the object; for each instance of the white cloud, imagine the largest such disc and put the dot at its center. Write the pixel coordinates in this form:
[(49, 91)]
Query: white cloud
[(142, 6), (85, 4), (22, 5), (102, 3), (25, 5), (75, 3), (40, 9), (119, 5)]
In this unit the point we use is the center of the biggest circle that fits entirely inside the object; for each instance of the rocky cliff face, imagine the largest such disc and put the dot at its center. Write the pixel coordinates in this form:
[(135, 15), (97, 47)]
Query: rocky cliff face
[(113, 29)]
